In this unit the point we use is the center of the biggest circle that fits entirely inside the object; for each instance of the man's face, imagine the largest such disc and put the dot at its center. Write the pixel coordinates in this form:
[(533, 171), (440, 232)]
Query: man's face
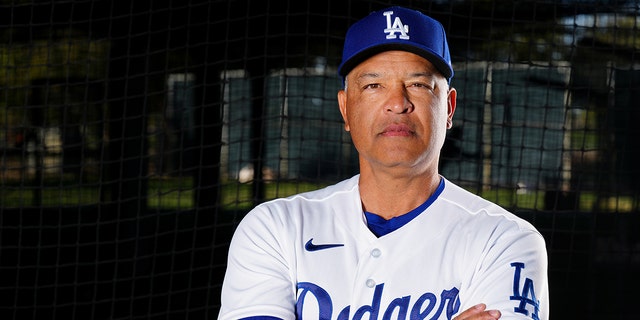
[(397, 107)]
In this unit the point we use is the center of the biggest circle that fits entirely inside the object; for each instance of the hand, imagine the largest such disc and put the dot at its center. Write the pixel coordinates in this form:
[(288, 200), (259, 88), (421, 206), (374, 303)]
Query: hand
[(478, 312)]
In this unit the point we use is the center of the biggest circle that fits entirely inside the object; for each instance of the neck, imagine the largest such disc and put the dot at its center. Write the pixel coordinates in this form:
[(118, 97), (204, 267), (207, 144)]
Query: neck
[(391, 194)]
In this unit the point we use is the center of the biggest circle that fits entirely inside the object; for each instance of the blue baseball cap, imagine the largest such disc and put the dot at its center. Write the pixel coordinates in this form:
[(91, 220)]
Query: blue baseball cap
[(396, 28)]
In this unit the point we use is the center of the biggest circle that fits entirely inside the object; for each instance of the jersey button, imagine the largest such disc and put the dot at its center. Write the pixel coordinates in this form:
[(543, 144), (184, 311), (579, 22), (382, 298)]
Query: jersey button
[(376, 253), (370, 283)]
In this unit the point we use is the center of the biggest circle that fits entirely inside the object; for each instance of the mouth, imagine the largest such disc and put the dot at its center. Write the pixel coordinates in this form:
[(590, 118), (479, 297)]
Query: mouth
[(397, 130)]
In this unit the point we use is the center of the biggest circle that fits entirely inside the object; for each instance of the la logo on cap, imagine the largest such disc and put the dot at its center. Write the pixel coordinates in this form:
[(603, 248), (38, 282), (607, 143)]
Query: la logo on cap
[(397, 26)]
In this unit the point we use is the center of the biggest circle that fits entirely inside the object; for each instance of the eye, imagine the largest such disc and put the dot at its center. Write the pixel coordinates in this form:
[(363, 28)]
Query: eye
[(421, 85), (372, 86)]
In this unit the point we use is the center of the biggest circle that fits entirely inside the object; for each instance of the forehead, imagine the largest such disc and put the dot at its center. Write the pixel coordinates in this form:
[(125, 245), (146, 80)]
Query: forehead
[(394, 63)]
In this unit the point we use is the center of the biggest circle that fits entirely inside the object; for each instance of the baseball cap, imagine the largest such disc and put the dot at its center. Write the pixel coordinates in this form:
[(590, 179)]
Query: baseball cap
[(396, 28)]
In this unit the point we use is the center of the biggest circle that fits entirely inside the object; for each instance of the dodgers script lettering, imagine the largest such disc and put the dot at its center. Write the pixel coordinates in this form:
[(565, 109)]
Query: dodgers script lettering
[(400, 308)]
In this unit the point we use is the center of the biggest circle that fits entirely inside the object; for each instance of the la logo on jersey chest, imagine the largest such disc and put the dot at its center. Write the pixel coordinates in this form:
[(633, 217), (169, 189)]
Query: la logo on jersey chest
[(395, 27)]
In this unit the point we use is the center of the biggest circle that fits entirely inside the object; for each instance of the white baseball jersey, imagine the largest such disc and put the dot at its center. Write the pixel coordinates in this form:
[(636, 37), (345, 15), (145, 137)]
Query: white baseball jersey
[(311, 256)]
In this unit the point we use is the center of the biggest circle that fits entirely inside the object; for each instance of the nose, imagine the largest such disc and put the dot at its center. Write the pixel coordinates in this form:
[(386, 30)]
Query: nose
[(398, 101)]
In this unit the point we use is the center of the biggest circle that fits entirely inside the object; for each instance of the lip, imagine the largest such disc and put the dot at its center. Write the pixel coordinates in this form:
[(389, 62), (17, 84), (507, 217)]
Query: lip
[(397, 130)]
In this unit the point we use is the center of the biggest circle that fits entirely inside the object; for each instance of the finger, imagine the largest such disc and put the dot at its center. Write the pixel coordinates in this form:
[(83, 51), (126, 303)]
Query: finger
[(479, 312), (471, 311)]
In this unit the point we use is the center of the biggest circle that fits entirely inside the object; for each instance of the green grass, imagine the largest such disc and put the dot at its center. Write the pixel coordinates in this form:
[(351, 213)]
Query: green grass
[(178, 194), (49, 196), (174, 193), (235, 196), (510, 199)]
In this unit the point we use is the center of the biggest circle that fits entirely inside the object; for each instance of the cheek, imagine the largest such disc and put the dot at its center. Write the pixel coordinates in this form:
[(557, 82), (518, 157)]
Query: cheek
[(352, 124), (440, 115), (357, 124), (352, 116), (439, 130)]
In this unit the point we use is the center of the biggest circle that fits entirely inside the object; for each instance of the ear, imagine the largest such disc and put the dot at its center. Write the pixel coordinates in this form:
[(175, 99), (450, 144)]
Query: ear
[(342, 103), (451, 106)]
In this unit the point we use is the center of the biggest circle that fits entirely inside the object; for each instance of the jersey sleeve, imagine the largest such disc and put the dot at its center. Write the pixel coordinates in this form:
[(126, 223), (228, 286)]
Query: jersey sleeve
[(511, 276), (258, 280)]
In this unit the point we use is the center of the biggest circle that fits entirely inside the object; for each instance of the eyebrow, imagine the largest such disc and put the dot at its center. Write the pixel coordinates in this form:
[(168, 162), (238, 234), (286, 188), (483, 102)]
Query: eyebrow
[(375, 75), (429, 75), (368, 75)]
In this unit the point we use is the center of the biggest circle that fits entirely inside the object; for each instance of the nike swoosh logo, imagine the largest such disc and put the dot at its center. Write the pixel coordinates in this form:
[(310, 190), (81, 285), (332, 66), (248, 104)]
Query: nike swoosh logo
[(309, 246)]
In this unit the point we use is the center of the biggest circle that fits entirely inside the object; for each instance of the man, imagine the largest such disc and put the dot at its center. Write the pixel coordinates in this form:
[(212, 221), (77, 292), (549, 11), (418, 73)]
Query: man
[(397, 241)]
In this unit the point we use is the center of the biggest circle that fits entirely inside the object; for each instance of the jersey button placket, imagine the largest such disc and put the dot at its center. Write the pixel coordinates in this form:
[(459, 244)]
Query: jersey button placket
[(375, 253), (370, 283)]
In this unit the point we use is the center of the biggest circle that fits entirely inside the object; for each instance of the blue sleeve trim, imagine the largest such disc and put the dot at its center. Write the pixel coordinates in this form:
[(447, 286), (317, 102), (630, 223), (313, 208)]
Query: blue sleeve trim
[(261, 318)]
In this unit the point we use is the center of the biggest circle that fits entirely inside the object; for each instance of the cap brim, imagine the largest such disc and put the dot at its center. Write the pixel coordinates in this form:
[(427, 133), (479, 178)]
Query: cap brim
[(366, 53)]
